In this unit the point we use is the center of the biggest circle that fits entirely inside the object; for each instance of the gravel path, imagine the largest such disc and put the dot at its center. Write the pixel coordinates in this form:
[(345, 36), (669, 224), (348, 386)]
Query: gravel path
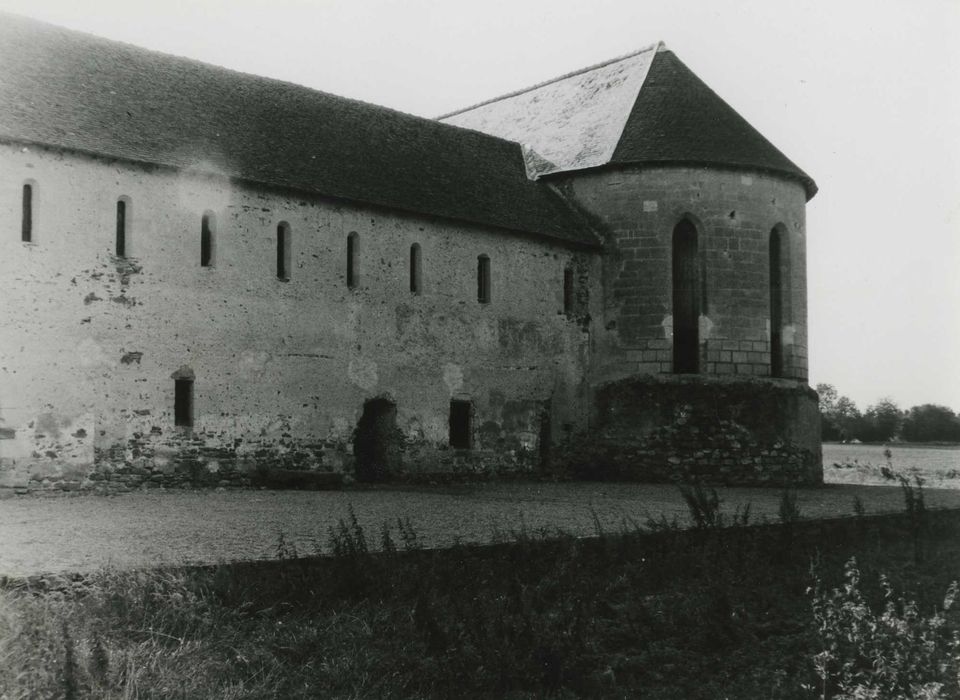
[(148, 528)]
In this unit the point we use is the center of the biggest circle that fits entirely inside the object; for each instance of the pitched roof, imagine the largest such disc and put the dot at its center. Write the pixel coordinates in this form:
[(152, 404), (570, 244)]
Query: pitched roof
[(644, 108), (571, 122), (71, 90)]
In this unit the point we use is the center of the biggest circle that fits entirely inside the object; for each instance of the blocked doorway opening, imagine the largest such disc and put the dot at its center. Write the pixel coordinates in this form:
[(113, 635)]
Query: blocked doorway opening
[(461, 424), (377, 442)]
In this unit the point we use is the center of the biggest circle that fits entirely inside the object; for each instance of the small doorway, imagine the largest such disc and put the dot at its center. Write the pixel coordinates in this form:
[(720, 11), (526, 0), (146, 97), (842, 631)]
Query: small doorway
[(377, 441)]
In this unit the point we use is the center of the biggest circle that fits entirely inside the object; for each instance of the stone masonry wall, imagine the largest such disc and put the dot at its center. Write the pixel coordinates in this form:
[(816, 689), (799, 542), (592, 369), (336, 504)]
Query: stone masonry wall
[(713, 430), (734, 213), (90, 342)]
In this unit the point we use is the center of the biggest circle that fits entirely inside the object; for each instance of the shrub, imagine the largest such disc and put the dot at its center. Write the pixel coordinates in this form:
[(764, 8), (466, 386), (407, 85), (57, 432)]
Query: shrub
[(893, 652)]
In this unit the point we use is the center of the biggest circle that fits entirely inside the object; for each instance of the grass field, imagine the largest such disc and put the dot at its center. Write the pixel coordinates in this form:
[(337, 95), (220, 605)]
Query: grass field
[(861, 464), (726, 610)]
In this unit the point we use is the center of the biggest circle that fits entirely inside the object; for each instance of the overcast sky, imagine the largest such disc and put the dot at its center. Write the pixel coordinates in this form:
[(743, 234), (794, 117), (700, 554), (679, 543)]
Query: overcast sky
[(863, 95)]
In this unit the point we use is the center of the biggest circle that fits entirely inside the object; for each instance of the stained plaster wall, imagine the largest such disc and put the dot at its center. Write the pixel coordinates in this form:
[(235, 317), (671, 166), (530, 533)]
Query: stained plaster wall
[(734, 213), (89, 342)]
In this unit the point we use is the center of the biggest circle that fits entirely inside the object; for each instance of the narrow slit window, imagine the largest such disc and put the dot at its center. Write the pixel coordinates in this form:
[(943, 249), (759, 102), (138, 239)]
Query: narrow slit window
[(568, 295), (776, 304), (686, 299), (353, 260), (283, 251), (483, 279), (183, 402), (121, 244), (461, 433), (207, 226), (416, 269), (26, 221)]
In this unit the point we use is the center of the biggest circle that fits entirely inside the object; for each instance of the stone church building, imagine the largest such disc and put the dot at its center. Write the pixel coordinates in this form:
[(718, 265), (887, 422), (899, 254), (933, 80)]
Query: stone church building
[(213, 277)]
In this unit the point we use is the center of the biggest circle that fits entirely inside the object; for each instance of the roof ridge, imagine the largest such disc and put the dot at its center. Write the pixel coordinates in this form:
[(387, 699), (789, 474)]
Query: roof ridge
[(234, 71), (658, 46)]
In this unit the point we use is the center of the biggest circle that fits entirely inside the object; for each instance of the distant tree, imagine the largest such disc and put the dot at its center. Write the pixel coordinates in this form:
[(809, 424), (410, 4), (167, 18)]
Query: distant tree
[(829, 431), (881, 422), (930, 422), (847, 417), (839, 416), (828, 397)]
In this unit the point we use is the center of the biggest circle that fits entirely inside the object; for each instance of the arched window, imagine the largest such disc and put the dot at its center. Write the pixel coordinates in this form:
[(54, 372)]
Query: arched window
[(283, 250), (123, 224), (26, 221), (483, 279), (353, 260), (208, 243), (778, 275), (686, 299), (416, 269)]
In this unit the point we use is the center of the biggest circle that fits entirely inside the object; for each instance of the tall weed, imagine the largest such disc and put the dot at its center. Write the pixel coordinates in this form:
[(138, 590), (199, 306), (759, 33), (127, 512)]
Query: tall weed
[(916, 510), (890, 650), (703, 506)]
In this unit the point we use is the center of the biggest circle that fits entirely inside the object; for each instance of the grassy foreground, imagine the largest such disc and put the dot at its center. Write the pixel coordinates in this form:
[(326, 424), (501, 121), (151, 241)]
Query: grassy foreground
[(729, 609)]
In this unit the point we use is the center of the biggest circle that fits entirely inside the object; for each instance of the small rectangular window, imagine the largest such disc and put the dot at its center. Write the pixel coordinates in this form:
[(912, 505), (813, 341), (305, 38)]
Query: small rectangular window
[(121, 248), (568, 291), (206, 241), (353, 260), (183, 402), (283, 252), (26, 224), (461, 434), (416, 270), (483, 279)]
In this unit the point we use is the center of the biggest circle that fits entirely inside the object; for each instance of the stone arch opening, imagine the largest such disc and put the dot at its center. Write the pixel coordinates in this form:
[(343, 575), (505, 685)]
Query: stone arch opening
[(687, 298), (377, 441)]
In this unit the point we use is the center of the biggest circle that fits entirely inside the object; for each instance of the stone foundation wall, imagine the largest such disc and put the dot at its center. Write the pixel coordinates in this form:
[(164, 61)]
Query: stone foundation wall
[(696, 428)]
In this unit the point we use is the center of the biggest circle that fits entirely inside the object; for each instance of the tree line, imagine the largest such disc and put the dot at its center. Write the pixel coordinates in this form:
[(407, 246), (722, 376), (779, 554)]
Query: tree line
[(884, 421)]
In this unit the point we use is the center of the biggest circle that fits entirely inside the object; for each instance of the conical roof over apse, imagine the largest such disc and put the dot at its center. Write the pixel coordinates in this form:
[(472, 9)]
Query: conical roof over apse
[(644, 108)]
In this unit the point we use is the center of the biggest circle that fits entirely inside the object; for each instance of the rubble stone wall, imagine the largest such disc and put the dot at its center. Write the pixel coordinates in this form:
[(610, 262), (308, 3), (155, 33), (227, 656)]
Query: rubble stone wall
[(714, 430)]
